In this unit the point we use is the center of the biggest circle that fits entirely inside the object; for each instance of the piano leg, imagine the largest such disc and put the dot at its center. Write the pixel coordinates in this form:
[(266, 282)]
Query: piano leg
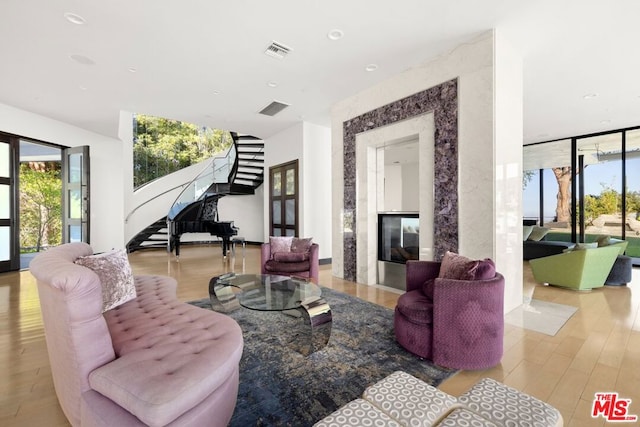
[(226, 243), (177, 246)]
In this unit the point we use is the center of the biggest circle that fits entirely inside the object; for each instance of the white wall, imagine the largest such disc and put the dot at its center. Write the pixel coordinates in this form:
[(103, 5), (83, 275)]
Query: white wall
[(508, 134), (311, 145), (473, 65), (316, 205), (107, 225), (246, 212), (282, 147)]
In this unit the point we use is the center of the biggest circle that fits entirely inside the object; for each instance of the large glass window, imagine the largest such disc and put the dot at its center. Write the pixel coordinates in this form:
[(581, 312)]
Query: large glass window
[(162, 146), (600, 179), (552, 162), (606, 171)]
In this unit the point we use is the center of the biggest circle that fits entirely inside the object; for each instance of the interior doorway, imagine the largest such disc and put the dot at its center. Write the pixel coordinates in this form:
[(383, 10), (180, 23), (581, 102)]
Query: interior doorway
[(283, 199)]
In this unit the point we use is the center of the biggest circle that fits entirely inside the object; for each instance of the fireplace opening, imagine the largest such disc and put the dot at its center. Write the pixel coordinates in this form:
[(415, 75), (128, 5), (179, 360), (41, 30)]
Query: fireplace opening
[(398, 242)]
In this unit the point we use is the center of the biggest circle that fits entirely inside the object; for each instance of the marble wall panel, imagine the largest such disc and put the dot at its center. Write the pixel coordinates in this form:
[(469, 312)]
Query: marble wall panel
[(442, 100)]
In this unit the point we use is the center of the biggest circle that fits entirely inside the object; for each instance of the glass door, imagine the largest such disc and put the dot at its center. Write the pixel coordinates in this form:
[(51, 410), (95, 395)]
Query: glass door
[(283, 199), (75, 194), (9, 257)]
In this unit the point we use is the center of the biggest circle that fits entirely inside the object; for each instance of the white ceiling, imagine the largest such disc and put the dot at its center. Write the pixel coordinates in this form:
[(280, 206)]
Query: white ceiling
[(203, 62)]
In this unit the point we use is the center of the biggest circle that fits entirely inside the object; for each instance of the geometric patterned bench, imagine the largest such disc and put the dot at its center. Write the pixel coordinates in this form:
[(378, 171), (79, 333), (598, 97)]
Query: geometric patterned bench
[(401, 399)]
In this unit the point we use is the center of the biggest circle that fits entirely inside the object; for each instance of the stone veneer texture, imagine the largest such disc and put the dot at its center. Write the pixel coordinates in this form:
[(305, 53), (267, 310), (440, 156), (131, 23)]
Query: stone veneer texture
[(442, 100)]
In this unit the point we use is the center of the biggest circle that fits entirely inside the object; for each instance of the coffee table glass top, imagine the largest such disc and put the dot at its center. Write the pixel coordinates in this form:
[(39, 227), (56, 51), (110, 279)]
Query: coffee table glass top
[(266, 292)]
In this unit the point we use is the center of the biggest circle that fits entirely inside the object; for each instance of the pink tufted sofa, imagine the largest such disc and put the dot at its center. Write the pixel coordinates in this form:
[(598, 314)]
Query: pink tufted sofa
[(151, 361)]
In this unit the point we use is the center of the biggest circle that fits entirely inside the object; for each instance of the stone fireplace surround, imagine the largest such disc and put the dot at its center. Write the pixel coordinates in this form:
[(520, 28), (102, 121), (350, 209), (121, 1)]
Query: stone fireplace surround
[(442, 101)]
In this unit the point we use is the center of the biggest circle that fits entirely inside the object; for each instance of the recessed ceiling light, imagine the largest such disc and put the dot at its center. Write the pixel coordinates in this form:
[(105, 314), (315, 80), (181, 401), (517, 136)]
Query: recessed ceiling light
[(272, 84), (590, 95), (81, 59), (74, 18), (371, 67), (335, 34)]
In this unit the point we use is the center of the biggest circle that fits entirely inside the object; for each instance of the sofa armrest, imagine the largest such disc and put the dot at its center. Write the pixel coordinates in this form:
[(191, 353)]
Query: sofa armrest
[(186, 353), (314, 262), (265, 255), (419, 271), (468, 319)]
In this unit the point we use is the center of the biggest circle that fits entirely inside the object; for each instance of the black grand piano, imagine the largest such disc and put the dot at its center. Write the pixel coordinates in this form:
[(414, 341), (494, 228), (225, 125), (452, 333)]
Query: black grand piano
[(200, 217)]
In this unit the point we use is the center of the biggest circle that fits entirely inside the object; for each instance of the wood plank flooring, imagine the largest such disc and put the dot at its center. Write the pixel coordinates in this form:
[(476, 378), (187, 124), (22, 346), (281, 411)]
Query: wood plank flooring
[(597, 350)]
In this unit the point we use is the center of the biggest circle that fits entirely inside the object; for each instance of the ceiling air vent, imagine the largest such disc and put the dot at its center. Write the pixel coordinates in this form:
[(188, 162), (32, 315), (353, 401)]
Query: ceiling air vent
[(274, 108), (277, 50)]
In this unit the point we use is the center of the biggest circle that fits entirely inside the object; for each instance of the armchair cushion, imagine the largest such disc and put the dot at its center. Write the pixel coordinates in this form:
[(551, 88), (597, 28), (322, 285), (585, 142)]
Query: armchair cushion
[(416, 307), (603, 240), (291, 256), (486, 269), (427, 287), (538, 233), (280, 244), (301, 245), (287, 267), (459, 267)]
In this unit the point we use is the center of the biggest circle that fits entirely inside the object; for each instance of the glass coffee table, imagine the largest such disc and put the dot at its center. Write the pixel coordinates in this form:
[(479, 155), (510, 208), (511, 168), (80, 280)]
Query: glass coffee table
[(293, 296)]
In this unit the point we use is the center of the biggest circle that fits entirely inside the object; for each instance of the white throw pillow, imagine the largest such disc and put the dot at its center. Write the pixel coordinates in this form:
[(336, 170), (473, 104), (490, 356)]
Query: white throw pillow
[(115, 275)]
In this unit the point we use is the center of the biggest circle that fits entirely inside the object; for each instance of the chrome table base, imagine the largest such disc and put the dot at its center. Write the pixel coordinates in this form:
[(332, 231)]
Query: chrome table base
[(314, 312)]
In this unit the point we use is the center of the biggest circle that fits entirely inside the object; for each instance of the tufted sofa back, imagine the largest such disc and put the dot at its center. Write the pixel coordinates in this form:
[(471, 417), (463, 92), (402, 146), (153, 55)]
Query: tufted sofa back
[(78, 340)]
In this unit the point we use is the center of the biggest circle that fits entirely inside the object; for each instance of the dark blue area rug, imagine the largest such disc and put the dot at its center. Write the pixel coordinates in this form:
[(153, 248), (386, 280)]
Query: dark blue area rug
[(281, 387)]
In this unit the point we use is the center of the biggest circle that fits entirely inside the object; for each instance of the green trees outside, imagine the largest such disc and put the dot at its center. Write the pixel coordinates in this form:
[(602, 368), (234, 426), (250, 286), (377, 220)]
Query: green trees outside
[(162, 146), (609, 201), (40, 206)]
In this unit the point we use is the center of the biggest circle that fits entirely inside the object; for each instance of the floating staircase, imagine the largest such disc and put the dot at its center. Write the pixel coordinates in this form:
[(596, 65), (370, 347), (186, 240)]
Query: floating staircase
[(245, 164), (247, 173)]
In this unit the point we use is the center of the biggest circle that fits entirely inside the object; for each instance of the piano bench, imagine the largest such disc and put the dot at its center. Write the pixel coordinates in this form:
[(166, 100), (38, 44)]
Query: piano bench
[(236, 240)]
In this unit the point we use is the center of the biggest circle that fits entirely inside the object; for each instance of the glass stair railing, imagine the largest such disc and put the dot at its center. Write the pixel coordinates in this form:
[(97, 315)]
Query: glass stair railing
[(218, 171)]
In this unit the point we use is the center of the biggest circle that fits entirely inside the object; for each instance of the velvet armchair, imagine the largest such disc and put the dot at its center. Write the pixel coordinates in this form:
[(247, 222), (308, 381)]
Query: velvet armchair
[(306, 268), (454, 323)]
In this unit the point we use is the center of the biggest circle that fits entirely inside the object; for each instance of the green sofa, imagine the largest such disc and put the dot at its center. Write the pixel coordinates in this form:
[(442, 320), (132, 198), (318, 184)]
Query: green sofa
[(579, 269)]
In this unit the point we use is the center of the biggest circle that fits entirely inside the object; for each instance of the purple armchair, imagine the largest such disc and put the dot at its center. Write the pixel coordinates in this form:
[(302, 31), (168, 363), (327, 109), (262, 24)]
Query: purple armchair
[(455, 323), (308, 268)]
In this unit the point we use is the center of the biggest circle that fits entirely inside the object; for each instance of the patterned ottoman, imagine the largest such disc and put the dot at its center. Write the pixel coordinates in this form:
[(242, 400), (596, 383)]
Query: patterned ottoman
[(507, 406), (403, 400), (409, 400), (462, 417), (357, 413)]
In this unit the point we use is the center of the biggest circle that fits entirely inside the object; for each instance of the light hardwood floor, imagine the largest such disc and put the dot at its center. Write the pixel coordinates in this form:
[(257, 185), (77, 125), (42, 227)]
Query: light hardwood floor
[(598, 349)]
